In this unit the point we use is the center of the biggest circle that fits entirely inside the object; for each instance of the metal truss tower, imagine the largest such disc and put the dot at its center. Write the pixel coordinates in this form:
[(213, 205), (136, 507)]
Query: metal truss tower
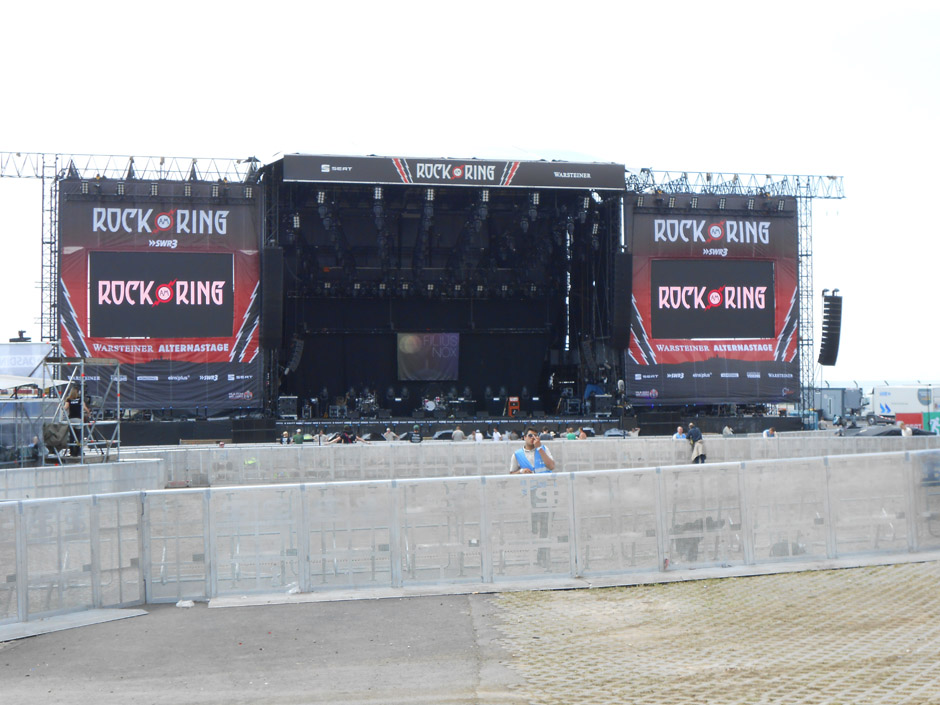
[(804, 189), (49, 168)]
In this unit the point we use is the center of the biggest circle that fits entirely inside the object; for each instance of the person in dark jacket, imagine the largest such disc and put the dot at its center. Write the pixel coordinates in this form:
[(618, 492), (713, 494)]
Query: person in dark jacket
[(697, 442)]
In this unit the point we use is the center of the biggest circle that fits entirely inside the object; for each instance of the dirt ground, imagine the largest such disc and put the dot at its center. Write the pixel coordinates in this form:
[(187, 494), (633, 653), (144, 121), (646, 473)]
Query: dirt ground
[(859, 635)]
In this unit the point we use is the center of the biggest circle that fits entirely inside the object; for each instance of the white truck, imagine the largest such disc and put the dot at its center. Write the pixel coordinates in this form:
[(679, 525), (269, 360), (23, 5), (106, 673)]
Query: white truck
[(917, 405)]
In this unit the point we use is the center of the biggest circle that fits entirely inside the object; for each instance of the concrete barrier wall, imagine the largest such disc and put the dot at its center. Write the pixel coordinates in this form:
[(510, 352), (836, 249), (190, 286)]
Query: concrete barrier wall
[(423, 533), (269, 463)]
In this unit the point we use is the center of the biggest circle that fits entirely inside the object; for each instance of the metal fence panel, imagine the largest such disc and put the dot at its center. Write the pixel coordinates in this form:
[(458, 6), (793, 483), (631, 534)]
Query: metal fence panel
[(618, 530), (58, 556), (255, 539), (702, 513), (868, 503), (529, 526), (440, 538), (349, 535), (787, 510), (176, 540)]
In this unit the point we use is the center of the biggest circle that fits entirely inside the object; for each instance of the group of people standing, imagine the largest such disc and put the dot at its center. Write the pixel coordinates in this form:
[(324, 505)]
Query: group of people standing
[(695, 439)]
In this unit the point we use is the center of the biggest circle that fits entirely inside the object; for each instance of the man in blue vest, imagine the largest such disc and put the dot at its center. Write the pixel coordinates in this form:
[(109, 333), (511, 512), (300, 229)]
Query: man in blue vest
[(533, 456)]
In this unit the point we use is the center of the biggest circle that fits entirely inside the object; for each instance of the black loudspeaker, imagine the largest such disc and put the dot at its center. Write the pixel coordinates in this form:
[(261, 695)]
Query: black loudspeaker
[(623, 301), (287, 407), (831, 330), (272, 297)]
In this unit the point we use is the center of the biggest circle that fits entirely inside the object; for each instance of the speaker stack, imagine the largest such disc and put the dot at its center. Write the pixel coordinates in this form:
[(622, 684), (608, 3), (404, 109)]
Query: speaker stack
[(831, 328)]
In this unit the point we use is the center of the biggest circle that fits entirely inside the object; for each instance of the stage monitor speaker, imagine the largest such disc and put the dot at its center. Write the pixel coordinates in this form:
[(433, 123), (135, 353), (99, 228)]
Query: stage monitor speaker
[(287, 407), (831, 330), (272, 297), (623, 301)]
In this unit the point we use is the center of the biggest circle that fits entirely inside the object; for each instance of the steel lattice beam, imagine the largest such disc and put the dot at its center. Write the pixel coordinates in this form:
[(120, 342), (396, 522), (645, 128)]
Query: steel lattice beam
[(651, 181)]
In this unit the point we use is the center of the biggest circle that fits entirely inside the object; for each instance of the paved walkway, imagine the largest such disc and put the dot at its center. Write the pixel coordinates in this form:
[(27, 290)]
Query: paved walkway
[(862, 635)]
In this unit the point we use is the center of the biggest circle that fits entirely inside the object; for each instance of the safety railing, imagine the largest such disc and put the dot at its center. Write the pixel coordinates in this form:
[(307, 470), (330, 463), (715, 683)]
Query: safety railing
[(75, 553)]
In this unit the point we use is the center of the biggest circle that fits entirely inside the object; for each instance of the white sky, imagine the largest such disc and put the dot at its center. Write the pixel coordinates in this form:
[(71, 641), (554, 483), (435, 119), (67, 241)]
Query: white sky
[(851, 89)]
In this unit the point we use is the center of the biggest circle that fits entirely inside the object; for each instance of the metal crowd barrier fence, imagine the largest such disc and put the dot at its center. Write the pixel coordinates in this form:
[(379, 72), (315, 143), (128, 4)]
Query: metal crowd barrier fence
[(59, 555), (72, 480), (274, 463)]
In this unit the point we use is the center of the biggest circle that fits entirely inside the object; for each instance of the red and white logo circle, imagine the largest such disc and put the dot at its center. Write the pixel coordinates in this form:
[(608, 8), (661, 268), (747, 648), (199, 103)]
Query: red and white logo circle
[(164, 293), (164, 221), (714, 298), (458, 172), (716, 231)]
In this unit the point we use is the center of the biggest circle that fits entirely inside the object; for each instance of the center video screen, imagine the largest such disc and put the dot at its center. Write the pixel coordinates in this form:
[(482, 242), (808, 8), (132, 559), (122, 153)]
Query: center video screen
[(696, 299), (160, 294), (428, 357)]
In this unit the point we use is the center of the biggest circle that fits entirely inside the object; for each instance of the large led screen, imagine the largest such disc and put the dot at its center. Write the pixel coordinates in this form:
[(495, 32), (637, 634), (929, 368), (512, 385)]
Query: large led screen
[(714, 301), (429, 357), (164, 278), (693, 299)]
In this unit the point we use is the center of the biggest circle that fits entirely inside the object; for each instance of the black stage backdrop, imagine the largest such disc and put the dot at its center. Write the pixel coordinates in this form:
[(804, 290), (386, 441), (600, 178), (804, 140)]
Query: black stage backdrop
[(353, 344)]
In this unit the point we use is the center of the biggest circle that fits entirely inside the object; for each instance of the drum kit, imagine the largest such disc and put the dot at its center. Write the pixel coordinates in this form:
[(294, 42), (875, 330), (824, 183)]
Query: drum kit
[(437, 403), (367, 405)]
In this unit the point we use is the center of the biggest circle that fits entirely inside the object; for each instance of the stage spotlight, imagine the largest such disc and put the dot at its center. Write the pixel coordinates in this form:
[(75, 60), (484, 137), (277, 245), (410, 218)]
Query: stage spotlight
[(639, 201), (780, 204), (750, 204), (485, 195), (296, 221), (672, 201), (377, 193), (120, 189), (357, 289), (458, 288), (722, 202), (430, 288), (405, 286), (84, 188), (321, 197), (327, 286), (382, 287), (215, 190), (429, 195), (480, 290), (694, 202), (187, 190), (154, 189), (249, 192)]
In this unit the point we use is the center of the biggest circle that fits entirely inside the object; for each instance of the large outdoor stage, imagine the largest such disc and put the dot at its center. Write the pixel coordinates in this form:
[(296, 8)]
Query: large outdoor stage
[(376, 291)]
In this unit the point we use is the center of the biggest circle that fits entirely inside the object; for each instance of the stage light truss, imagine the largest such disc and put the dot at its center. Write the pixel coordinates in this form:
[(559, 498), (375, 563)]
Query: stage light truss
[(768, 185)]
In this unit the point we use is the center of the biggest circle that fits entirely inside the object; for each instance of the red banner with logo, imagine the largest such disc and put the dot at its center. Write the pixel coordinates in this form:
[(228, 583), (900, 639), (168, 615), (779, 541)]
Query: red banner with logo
[(162, 273), (715, 305)]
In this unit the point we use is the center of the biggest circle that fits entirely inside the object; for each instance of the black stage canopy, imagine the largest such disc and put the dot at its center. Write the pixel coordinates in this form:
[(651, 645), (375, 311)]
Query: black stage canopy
[(453, 172)]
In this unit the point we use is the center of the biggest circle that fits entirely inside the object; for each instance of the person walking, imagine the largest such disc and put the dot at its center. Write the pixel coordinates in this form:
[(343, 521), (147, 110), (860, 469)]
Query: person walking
[(697, 442)]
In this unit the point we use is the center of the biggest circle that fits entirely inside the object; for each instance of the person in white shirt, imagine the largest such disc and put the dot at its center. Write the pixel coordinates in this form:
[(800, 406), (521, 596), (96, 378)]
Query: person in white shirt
[(477, 435), (497, 436)]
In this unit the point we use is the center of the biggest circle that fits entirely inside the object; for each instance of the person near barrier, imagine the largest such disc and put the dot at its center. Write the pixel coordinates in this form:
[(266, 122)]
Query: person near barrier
[(535, 458), (390, 435), (298, 436), (697, 442), (532, 457), (458, 434), (679, 434), (348, 436), (416, 434)]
